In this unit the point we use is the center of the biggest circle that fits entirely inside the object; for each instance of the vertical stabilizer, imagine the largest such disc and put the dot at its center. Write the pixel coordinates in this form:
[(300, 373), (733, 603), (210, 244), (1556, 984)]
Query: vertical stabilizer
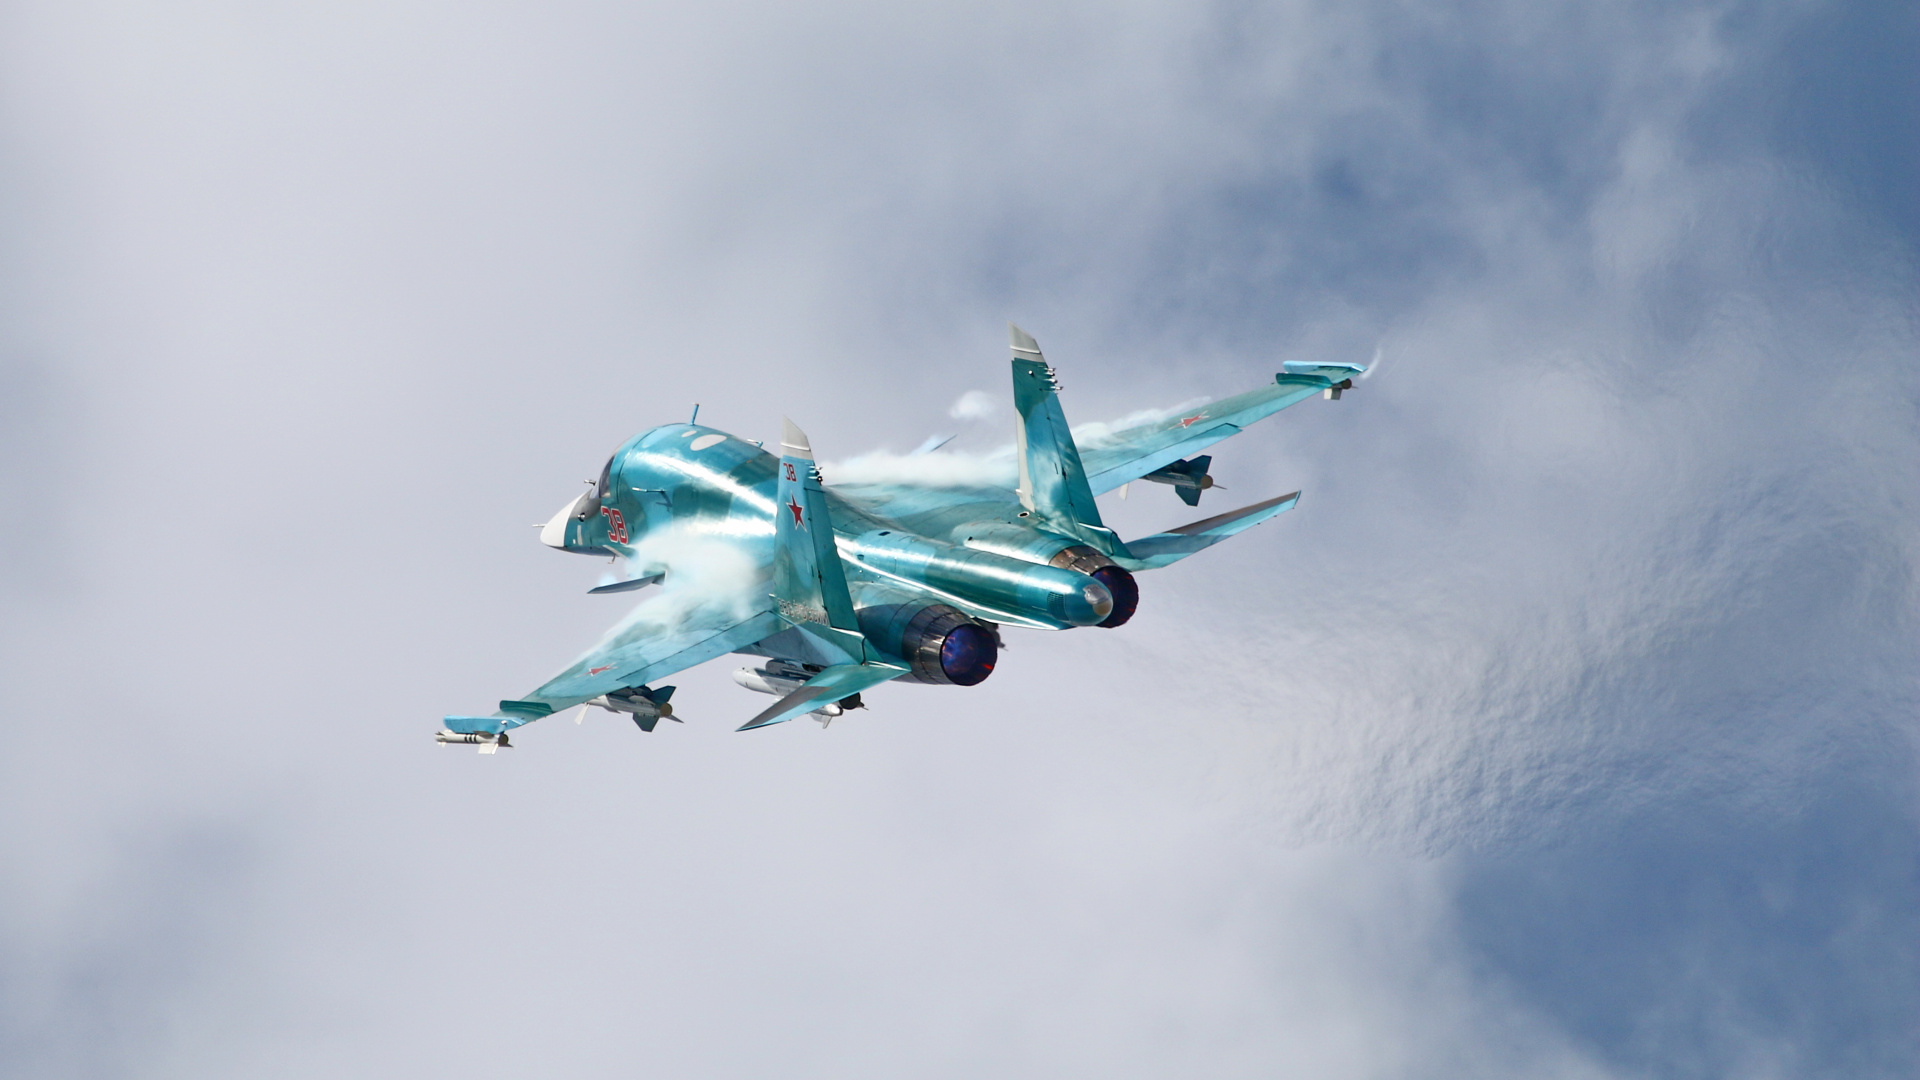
[(810, 589), (809, 584), (1053, 484)]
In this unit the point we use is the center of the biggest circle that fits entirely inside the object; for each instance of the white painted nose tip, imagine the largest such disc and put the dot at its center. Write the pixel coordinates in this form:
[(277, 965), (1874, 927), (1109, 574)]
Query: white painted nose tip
[(554, 532)]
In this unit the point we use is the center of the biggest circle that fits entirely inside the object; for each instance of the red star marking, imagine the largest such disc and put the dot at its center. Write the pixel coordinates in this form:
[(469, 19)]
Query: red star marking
[(598, 670), (793, 504), (1188, 421)]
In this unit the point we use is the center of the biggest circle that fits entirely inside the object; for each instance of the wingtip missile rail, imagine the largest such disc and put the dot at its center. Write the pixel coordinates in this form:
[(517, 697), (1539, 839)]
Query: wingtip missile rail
[(487, 741)]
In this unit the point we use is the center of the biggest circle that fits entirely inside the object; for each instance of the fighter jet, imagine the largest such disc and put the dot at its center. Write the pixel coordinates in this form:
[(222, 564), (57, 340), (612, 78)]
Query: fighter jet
[(839, 588)]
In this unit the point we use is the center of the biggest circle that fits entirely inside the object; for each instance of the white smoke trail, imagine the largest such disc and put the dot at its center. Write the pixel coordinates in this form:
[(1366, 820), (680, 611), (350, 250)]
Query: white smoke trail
[(942, 468), (1101, 434), (992, 468)]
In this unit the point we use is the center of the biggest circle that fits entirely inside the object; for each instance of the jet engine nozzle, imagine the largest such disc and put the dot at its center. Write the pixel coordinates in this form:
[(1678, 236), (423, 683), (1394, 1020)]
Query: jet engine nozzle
[(1125, 590), (939, 642), (967, 654), (1120, 586)]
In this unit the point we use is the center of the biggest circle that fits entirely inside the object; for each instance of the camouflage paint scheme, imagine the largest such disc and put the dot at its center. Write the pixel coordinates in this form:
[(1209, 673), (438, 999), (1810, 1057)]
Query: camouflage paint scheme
[(859, 584)]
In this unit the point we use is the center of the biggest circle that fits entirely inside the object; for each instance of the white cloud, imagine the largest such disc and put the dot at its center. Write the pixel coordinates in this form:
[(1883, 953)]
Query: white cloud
[(974, 405), (1577, 687)]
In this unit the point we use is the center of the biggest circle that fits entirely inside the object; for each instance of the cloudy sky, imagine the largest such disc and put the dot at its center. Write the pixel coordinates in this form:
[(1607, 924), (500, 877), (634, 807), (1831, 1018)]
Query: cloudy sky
[(1566, 729)]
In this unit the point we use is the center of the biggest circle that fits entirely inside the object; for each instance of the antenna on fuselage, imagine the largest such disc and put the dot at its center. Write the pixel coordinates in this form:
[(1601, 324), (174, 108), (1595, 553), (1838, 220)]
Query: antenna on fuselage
[(695, 418)]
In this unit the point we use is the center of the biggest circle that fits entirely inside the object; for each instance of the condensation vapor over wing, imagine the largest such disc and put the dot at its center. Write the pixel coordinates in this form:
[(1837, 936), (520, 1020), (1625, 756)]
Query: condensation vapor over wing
[(1566, 728)]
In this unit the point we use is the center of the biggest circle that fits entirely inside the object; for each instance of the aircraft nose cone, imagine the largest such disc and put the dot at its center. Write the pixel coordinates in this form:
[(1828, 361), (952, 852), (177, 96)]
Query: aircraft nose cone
[(554, 532), (1090, 606)]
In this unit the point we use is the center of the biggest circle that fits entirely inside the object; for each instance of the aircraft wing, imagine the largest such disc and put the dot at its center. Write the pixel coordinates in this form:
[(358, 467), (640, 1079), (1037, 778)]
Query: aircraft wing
[(662, 636), (1132, 453)]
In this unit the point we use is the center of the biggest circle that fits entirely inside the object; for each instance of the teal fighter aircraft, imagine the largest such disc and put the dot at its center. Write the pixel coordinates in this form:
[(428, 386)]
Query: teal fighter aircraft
[(838, 589)]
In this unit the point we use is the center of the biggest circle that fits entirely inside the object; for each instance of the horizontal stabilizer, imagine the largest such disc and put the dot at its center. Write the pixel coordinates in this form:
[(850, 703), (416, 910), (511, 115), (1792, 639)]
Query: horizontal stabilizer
[(829, 686), (1167, 548)]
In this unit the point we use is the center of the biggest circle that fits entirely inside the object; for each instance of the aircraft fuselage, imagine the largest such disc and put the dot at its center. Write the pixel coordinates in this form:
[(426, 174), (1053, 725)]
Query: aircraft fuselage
[(978, 549)]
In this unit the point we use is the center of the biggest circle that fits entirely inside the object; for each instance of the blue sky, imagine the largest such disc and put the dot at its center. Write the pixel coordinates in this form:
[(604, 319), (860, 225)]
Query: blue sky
[(1565, 729)]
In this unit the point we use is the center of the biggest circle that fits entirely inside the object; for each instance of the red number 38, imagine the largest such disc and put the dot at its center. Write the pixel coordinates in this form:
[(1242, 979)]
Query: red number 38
[(616, 525)]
